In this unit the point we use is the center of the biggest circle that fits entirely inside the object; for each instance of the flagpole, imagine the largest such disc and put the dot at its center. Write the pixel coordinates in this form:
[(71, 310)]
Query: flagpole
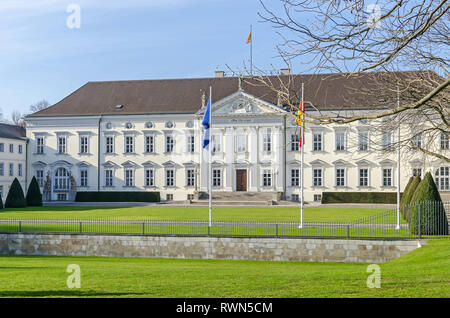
[(210, 157), (251, 51), (303, 157), (398, 163)]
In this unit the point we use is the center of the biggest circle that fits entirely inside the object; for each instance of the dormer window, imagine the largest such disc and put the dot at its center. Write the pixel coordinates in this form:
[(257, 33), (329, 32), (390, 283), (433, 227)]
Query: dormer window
[(128, 125), (169, 124), (119, 107)]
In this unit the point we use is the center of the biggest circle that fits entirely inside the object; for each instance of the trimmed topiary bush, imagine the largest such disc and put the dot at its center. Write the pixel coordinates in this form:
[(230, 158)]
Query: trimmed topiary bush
[(15, 198), (407, 196), (34, 196), (1, 203), (427, 216)]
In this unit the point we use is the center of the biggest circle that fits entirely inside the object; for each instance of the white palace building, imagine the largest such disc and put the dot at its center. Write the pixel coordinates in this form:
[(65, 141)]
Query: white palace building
[(146, 135)]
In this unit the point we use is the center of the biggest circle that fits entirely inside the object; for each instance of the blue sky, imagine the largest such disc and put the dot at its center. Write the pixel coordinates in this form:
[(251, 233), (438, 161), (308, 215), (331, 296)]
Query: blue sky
[(41, 58)]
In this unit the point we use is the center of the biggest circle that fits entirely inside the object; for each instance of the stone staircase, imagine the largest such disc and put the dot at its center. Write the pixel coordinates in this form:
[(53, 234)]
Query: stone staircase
[(239, 198)]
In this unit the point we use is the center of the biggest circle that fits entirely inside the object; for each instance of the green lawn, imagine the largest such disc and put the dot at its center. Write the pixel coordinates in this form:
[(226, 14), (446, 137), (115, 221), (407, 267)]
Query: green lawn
[(261, 214), (422, 273)]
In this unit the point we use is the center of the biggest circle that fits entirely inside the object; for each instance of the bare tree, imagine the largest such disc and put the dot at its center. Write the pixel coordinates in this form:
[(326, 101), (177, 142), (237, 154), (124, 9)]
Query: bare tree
[(41, 105), (17, 118), (399, 50)]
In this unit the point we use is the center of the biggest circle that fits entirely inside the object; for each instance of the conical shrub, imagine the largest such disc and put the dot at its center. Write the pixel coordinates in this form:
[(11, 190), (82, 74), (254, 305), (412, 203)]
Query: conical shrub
[(427, 214), (34, 196), (15, 198), (407, 196), (1, 202)]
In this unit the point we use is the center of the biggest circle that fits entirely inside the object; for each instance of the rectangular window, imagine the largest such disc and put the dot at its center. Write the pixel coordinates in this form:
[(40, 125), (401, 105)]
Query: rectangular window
[(40, 177), (267, 141), (2, 169), (417, 172), (20, 149), (84, 144), (295, 142), (129, 144), (217, 177), (108, 178), (11, 169), (215, 142), (442, 178), (149, 144), (363, 177), (129, 177), (445, 141), (19, 169), (170, 143), (83, 178), (317, 141), (62, 145), (11, 148), (169, 197), (170, 178), (340, 141), (191, 144), (40, 145), (109, 142), (190, 177), (340, 177), (2, 147), (363, 140), (241, 143), (317, 177), (149, 178), (417, 140), (295, 177), (387, 177), (317, 197), (386, 141), (295, 197), (267, 178)]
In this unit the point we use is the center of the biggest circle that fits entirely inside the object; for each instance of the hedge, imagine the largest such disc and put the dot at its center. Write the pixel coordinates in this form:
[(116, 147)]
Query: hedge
[(34, 196), (359, 197), (15, 198), (116, 196), (427, 215)]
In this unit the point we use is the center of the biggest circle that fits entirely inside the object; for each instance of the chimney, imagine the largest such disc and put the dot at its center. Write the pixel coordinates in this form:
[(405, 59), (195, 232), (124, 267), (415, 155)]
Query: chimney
[(285, 71), (219, 74)]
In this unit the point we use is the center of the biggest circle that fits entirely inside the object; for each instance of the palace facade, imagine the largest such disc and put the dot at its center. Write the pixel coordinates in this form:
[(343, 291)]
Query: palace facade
[(147, 136)]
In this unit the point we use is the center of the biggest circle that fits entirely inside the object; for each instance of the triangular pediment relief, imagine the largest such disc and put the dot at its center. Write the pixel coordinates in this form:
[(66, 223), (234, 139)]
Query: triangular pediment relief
[(241, 103)]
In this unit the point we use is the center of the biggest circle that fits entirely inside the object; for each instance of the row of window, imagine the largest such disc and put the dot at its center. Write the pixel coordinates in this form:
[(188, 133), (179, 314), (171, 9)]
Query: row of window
[(11, 148), (442, 177), (11, 170)]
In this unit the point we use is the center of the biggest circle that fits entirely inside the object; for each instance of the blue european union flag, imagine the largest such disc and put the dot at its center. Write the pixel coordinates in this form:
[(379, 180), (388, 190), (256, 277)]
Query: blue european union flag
[(206, 122)]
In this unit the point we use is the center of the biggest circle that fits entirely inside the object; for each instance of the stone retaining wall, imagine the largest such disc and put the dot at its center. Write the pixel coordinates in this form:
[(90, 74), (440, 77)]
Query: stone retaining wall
[(268, 249)]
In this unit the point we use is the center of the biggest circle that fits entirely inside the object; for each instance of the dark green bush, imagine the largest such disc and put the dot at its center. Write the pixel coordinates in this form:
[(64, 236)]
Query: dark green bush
[(116, 196), (427, 215), (359, 197), (407, 196), (34, 196), (15, 198), (1, 203)]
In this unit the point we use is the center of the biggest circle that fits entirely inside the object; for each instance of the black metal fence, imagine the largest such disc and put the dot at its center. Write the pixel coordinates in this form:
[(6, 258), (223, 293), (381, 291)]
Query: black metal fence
[(426, 220)]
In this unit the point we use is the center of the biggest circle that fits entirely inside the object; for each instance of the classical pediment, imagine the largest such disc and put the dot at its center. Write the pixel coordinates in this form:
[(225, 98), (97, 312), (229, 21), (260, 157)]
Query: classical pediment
[(242, 104)]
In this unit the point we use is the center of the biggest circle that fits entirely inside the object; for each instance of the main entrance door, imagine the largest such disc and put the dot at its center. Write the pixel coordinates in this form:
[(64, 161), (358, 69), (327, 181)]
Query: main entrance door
[(241, 180)]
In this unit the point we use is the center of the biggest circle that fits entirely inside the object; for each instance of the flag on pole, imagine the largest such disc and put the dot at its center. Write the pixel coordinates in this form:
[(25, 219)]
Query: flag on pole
[(206, 122), (249, 39), (300, 120)]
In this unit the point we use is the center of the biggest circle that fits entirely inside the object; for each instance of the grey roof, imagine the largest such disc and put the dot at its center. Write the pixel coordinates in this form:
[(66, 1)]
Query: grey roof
[(12, 131), (170, 96)]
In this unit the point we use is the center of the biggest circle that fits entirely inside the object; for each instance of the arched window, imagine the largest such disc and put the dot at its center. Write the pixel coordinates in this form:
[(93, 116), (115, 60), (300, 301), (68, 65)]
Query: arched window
[(62, 179), (442, 178)]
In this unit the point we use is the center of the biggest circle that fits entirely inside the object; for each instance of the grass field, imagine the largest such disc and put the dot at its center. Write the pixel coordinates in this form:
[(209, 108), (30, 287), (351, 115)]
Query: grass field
[(424, 272), (261, 214)]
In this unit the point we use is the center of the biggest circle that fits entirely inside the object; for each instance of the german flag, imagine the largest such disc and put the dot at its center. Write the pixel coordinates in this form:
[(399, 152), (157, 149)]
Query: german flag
[(300, 120)]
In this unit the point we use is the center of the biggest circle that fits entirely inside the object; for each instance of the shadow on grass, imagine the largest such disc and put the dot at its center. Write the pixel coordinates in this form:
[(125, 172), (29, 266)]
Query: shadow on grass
[(52, 209), (62, 293)]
